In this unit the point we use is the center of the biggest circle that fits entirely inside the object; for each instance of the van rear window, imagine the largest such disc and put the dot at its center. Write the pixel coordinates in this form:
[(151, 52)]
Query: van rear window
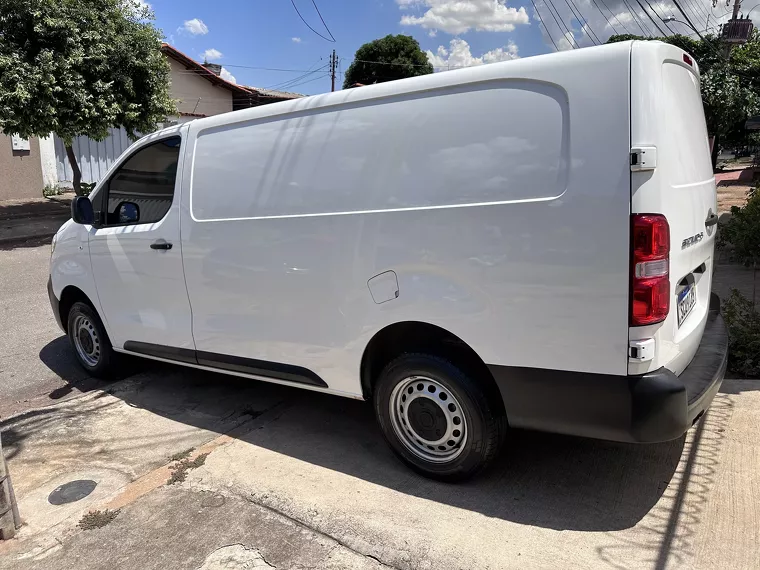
[(499, 142)]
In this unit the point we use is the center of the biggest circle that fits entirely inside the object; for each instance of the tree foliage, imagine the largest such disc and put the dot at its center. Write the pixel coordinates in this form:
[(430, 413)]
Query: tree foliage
[(729, 87), (387, 59), (80, 67)]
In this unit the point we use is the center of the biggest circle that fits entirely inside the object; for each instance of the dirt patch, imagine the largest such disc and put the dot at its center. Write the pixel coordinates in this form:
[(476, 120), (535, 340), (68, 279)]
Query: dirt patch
[(97, 519), (179, 471), (731, 196)]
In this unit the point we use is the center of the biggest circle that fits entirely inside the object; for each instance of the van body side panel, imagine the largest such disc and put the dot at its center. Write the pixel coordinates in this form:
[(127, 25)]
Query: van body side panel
[(499, 196)]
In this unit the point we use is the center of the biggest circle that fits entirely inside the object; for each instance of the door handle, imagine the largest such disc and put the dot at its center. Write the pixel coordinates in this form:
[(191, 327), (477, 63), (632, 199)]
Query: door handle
[(161, 244), (711, 220)]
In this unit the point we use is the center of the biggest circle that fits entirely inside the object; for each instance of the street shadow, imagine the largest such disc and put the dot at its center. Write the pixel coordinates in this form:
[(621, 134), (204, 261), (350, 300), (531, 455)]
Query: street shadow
[(58, 356), (551, 481), (33, 209), (665, 538), (38, 220)]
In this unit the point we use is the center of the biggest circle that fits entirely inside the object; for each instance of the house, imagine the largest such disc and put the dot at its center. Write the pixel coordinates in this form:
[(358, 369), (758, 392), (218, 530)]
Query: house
[(201, 91)]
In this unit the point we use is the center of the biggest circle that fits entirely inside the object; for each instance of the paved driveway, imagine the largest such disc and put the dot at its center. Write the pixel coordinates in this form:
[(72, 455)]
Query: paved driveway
[(317, 466)]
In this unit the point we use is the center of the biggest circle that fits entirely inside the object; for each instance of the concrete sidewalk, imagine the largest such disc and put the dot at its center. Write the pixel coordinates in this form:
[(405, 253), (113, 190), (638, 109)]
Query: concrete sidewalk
[(31, 222), (277, 477)]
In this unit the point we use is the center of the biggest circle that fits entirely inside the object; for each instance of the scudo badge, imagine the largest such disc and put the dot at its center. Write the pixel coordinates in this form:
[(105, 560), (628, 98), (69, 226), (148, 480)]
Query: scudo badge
[(690, 241)]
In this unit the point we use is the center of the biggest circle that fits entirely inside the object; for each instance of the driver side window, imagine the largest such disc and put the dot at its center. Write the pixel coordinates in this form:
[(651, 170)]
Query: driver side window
[(141, 191)]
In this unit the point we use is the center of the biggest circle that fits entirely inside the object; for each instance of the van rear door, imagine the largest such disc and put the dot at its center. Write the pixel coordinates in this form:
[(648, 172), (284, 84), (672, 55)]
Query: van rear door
[(667, 116)]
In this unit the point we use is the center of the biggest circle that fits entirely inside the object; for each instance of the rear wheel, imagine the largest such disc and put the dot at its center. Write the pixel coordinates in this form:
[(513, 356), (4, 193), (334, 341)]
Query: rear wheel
[(90, 341), (436, 418)]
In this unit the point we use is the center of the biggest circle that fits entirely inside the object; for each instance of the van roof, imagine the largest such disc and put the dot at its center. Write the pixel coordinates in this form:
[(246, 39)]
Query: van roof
[(516, 68)]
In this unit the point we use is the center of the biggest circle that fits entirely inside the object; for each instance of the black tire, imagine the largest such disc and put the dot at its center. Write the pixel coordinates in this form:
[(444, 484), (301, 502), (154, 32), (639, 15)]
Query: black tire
[(101, 362), (485, 421)]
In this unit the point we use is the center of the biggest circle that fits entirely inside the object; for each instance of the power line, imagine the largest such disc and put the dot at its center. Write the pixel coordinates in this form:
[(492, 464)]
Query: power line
[(323, 20), (700, 11), (293, 79), (659, 15), (583, 22), (308, 26), (288, 84), (608, 20), (680, 9), (561, 23), (636, 19), (656, 25), (323, 76), (540, 19), (614, 16), (663, 32)]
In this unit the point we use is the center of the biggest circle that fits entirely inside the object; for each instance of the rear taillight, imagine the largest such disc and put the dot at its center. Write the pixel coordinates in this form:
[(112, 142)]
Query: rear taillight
[(650, 266)]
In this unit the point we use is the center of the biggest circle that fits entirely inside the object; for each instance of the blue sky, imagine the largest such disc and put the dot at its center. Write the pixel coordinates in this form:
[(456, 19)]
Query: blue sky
[(246, 34)]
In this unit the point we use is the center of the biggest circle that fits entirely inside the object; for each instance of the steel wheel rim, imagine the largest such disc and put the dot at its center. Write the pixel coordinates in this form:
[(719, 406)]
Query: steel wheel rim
[(428, 419), (86, 341)]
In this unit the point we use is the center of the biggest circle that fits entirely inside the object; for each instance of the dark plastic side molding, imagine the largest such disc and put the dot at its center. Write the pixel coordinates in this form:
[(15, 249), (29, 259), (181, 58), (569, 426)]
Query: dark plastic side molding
[(224, 362)]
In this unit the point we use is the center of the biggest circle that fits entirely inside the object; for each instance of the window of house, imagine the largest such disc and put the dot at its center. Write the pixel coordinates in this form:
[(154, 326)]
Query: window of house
[(146, 180)]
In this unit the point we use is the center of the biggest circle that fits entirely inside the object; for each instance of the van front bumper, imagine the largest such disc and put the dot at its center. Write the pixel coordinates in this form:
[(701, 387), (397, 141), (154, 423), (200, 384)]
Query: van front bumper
[(648, 408), (54, 304)]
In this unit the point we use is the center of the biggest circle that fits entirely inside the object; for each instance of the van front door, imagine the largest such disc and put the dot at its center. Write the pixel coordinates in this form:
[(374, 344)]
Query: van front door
[(136, 255)]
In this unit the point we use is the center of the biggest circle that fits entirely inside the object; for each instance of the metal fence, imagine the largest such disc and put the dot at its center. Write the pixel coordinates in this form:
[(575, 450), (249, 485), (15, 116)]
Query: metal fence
[(94, 157)]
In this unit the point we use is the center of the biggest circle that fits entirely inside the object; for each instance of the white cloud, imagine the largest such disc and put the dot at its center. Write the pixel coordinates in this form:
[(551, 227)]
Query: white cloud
[(459, 16), (566, 41), (599, 20), (195, 27), (459, 55), (227, 76), (211, 54), (295, 40)]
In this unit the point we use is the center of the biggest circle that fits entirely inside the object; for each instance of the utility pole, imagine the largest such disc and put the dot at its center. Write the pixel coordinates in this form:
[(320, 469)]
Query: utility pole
[(737, 30), (333, 67)]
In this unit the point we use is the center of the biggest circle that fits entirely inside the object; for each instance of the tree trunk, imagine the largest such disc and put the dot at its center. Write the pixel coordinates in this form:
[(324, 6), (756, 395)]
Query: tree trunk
[(76, 180), (715, 150)]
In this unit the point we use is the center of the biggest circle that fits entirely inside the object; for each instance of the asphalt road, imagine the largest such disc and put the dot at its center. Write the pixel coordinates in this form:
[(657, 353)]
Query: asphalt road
[(37, 366)]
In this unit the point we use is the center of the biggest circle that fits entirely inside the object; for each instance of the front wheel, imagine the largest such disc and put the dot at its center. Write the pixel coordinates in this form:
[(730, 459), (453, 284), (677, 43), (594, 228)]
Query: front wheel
[(436, 418), (90, 341)]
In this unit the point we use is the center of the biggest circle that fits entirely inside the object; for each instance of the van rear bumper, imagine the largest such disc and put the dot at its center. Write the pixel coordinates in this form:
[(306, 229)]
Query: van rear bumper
[(647, 408)]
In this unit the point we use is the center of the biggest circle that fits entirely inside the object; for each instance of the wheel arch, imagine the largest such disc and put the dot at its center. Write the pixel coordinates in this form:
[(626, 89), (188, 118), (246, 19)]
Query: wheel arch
[(415, 336), (70, 295)]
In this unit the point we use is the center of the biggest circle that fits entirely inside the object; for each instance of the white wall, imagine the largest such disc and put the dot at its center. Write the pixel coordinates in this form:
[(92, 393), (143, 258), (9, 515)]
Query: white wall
[(196, 94), (48, 161)]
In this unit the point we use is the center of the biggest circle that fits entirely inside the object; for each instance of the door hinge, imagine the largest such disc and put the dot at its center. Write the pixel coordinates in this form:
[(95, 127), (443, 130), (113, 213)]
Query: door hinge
[(641, 350), (643, 158)]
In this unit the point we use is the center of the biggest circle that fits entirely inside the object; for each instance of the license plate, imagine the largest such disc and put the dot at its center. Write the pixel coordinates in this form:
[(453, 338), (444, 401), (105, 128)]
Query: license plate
[(686, 301)]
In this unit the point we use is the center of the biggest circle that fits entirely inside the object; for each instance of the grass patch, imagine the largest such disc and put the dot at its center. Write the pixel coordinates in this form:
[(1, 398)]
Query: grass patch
[(97, 519), (179, 471), (181, 455), (743, 322)]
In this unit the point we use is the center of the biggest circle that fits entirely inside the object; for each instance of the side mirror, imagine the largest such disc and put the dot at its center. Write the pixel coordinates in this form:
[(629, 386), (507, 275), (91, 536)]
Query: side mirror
[(81, 210), (129, 213)]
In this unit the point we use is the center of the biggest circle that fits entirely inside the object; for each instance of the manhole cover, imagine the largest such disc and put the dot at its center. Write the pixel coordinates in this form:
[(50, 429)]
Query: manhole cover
[(71, 492)]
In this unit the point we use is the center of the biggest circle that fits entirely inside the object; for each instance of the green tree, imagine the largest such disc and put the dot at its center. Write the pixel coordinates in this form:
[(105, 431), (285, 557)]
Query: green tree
[(80, 67), (387, 59)]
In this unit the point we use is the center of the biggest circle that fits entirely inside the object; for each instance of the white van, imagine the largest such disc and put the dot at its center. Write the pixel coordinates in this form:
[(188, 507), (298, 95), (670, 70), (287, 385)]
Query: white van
[(524, 244)]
